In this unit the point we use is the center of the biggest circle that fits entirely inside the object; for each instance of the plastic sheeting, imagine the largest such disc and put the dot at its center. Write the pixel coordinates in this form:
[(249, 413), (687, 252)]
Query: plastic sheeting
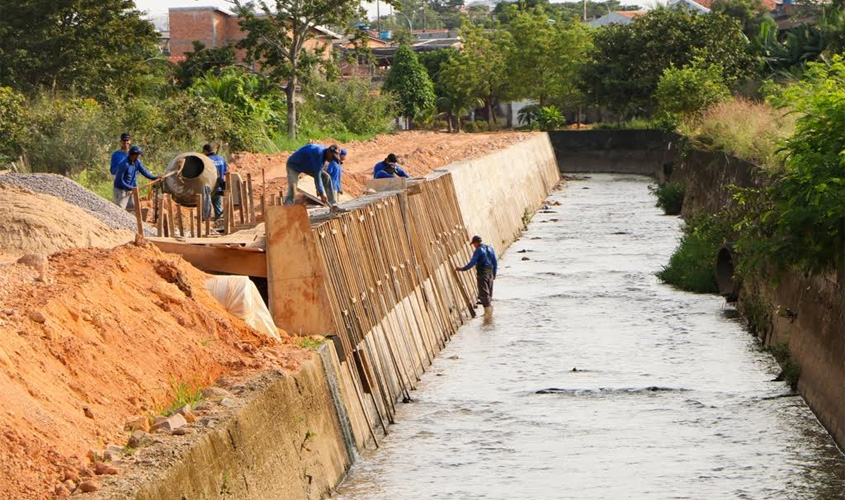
[(240, 297)]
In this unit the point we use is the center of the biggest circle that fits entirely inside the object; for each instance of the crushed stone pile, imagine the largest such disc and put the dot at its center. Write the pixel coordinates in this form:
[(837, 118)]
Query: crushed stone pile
[(38, 223), (73, 193), (95, 337)]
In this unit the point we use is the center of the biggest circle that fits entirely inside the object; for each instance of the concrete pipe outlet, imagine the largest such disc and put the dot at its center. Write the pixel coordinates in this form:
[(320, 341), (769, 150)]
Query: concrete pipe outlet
[(194, 172)]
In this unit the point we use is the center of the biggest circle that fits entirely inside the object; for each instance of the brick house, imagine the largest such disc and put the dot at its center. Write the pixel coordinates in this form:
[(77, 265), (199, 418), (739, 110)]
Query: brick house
[(217, 28)]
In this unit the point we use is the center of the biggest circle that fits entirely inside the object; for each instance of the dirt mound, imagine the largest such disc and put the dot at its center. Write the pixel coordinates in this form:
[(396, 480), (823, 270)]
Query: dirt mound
[(107, 335), (419, 152), (38, 223)]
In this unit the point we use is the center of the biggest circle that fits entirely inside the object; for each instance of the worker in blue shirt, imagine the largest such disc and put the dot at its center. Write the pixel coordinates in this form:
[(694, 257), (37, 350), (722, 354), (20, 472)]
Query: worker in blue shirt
[(386, 164), (118, 156), (222, 169), (124, 180), (334, 172), (312, 159), (486, 268)]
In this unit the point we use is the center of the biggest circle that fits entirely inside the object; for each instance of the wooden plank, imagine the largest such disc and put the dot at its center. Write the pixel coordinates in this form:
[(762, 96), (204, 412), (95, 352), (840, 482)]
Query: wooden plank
[(217, 259), (389, 184), (298, 298), (137, 203), (250, 198), (199, 215)]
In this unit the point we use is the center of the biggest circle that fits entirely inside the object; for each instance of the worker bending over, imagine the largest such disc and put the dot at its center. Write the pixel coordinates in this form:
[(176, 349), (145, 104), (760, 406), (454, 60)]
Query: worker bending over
[(125, 178), (312, 159), (486, 267), (222, 169), (387, 168)]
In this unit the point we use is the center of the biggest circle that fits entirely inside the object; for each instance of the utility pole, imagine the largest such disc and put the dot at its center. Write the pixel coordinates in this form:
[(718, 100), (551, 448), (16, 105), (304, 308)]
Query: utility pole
[(378, 17), (585, 11)]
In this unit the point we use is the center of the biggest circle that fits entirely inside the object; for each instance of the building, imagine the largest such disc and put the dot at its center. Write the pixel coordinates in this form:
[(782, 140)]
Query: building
[(617, 17), (216, 28)]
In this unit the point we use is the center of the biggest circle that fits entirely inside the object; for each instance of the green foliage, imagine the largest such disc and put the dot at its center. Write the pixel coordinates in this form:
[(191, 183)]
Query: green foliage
[(691, 89), (751, 14), (546, 57), (790, 370), (12, 123), (202, 61), (181, 394), (550, 118), (527, 115), (670, 197), (276, 33), (692, 266), (628, 60), (409, 82), (310, 342), (799, 220), (350, 106), (74, 44)]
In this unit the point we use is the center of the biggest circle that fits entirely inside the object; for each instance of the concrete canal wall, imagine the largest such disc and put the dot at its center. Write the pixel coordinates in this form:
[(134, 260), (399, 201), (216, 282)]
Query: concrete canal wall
[(805, 312), (379, 283)]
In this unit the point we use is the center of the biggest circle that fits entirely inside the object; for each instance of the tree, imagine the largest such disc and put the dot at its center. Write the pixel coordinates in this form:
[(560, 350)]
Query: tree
[(275, 40), (484, 59), (408, 81), (691, 89), (628, 59), (73, 44), (751, 14), (202, 60), (546, 57), (12, 123)]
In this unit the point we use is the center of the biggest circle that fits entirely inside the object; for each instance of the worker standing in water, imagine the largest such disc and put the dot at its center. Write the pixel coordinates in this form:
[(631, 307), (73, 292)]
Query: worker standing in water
[(486, 266), (312, 159)]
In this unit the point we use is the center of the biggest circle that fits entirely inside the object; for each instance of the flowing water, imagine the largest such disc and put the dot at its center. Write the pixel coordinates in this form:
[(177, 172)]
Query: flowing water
[(594, 380)]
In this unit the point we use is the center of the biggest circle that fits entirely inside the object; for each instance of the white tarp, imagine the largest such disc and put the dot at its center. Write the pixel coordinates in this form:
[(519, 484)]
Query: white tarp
[(240, 297)]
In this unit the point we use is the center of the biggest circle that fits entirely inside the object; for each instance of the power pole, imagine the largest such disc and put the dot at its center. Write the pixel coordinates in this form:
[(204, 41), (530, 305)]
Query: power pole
[(585, 11)]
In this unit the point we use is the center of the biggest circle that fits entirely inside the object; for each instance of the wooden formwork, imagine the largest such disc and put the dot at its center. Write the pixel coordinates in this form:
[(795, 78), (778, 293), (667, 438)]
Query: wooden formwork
[(394, 296)]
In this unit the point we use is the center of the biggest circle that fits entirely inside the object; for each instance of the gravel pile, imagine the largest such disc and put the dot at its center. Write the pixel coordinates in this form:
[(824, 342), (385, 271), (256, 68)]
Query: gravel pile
[(68, 190)]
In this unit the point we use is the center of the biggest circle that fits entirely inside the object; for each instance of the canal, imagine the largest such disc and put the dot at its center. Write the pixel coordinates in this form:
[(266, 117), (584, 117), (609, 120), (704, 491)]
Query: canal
[(593, 380)]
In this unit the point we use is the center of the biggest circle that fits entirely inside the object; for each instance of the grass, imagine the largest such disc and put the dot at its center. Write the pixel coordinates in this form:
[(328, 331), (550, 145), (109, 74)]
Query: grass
[(181, 394), (310, 343), (790, 371), (692, 267), (670, 196), (753, 131)]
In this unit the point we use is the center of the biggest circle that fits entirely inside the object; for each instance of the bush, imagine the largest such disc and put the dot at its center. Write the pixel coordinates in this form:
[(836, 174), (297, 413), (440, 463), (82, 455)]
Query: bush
[(691, 89), (670, 197), (751, 130), (692, 267), (12, 123), (550, 118), (350, 106)]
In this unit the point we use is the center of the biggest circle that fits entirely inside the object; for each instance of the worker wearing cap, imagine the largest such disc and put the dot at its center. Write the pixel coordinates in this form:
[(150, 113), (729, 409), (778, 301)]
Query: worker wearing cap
[(391, 165), (486, 267), (222, 169), (124, 180), (334, 172), (118, 156), (312, 159)]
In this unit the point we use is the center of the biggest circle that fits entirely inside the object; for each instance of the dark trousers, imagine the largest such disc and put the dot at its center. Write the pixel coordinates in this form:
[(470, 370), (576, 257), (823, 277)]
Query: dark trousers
[(485, 286)]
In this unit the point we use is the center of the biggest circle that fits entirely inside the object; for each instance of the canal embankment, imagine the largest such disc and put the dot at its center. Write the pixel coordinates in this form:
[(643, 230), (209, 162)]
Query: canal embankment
[(804, 313), (378, 284)]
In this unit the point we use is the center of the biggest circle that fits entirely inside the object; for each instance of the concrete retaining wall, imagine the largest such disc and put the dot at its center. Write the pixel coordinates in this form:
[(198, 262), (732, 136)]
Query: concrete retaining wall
[(494, 192), (639, 152), (380, 281)]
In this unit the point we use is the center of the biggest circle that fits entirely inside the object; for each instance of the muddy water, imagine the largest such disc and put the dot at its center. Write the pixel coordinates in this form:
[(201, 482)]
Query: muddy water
[(595, 381)]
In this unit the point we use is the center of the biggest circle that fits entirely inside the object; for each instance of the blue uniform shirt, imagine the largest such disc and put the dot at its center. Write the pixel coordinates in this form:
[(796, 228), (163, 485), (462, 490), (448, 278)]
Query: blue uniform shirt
[(116, 159), (483, 256), (222, 168), (380, 166), (384, 174), (309, 160), (126, 173), (334, 172)]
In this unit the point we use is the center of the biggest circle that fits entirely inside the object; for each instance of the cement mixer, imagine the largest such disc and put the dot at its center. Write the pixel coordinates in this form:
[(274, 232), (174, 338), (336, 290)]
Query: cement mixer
[(188, 175)]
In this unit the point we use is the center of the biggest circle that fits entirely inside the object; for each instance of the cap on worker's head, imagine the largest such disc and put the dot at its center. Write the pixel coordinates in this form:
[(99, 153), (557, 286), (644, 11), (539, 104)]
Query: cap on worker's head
[(206, 148), (391, 158), (125, 137), (334, 149), (476, 239), (135, 150), (342, 152)]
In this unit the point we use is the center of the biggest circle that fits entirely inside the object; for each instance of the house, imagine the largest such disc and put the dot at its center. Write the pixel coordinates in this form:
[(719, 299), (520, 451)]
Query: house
[(617, 17), (215, 28), (704, 6)]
